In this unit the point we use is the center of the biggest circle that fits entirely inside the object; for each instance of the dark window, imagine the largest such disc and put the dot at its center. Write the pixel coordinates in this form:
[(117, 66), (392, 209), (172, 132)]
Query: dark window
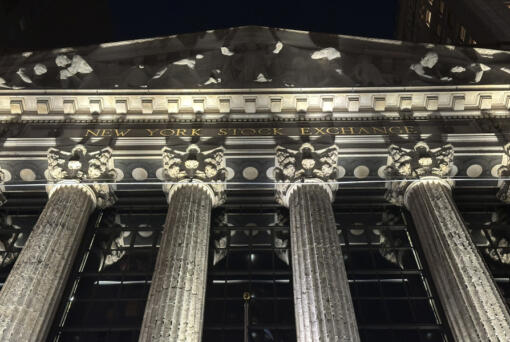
[(393, 295), (488, 220), (249, 254), (108, 287)]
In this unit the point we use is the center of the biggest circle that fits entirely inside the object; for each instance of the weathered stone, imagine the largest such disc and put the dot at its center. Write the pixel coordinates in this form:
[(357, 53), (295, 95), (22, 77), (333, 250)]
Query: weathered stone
[(323, 305), (504, 173), (31, 294), (473, 306), (2, 180), (322, 299), (472, 303), (80, 166), (407, 165), (307, 165), (195, 166), (175, 307)]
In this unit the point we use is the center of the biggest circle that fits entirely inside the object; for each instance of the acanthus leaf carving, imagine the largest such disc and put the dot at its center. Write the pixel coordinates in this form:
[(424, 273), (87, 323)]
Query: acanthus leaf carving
[(196, 166), (94, 169), (409, 165), (3, 178), (305, 165), (504, 175)]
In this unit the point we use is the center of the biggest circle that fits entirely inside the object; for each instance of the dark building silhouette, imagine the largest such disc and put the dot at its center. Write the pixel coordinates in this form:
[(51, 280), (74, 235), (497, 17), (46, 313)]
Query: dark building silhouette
[(38, 24), (458, 22)]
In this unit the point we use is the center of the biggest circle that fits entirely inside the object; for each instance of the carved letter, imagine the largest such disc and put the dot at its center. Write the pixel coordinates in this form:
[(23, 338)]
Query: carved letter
[(121, 133)]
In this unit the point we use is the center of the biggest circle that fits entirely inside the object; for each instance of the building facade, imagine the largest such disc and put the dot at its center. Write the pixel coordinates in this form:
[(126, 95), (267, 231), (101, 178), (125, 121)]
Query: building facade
[(255, 184), (456, 22)]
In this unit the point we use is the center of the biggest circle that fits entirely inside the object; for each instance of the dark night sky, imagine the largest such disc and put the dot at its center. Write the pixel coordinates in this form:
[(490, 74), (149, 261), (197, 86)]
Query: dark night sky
[(43, 24), (363, 18)]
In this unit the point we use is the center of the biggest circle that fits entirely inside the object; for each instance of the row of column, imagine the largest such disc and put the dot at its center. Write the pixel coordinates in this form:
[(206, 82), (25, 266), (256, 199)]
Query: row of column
[(306, 184)]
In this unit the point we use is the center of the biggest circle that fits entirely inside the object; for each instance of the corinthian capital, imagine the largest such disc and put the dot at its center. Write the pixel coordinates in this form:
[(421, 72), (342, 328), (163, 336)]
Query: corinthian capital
[(504, 172), (94, 169), (420, 162), (195, 166), (305, 165), (4, 176)]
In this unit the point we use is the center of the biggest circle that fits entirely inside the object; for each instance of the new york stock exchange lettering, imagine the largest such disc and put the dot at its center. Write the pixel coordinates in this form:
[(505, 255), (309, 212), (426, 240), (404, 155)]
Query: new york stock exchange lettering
[(249, 131)]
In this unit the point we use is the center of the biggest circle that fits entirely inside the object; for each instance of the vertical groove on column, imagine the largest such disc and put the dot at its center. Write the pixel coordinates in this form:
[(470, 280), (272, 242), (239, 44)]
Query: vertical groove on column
[(473, 305), (31, 294), (175, 307), (323, 304)]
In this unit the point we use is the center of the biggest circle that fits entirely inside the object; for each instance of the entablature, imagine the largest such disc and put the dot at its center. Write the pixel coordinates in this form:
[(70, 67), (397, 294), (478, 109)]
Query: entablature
[(229, 104)]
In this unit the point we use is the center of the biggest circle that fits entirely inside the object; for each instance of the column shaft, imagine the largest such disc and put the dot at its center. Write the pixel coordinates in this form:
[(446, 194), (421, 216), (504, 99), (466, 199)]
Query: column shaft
[(31, 294), (473, 305), (323, 306), (175, 307)]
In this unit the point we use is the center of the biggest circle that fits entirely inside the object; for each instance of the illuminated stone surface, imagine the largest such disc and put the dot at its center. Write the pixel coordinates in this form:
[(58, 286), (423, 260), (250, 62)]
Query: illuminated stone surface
[(32, 291), (175, 306), (472, 303), (254, 57), (30, 296), (323, 306), (322, 300)]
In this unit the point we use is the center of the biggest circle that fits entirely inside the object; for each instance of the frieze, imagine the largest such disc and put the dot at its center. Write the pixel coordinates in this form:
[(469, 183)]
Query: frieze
[(253, 129)]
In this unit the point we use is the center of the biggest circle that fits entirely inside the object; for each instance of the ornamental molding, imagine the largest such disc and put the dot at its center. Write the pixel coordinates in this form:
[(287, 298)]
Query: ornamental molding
[(504, 175), (193, 166), (237, 103), (91, 171), (496, 237), (4, 177), (407, 167), (305, 165)]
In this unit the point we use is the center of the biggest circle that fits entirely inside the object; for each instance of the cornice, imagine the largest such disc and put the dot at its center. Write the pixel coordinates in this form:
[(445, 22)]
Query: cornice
[(254, 104)]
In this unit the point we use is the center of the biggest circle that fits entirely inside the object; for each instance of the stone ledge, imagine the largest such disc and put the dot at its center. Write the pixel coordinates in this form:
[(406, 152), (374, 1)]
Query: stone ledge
[(251, 103)]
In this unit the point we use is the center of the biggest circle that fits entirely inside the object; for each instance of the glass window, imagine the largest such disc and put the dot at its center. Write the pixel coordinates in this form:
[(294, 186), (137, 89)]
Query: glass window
[(393, 296)]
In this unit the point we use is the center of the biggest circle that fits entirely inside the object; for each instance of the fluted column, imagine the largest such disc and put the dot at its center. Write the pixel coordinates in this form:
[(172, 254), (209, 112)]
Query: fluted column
[(323, 305), (472, 303), (31, 294), (175, 306)]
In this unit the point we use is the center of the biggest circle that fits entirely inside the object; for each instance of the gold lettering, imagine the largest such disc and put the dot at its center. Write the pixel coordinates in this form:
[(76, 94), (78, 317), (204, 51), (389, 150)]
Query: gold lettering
[(106, 133), (332, 130), (277, 131), (350, 129), (264, 131), (391, 129), (363, 130), (122, 133), (305, 131), (195, 132), (379, 130), (320, 130), (167, 132), (96, 133), (222, 131), (180, 132), (410, 129), (248, 131), (151, 132)]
